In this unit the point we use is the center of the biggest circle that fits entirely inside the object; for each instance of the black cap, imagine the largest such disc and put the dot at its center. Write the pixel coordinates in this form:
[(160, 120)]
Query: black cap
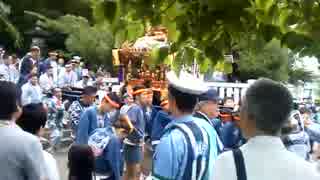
[(210, 95)]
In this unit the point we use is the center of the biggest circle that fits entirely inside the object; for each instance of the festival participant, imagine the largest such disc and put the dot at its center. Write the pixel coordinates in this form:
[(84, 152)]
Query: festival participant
[(7, 71), (265, 108), (155, 108), (2, 52), (31, 91), (104, 141), (51, 61), (85, 81), (229, 103), (128, 99), (160, 121), (229, 132), (16, 143), (15, 62), (178, 155), (97, 117), (27, 64), (46, 80), (60, 67), (99, 82), (147, 112), (55, 117), (95, 129), (76, 109), (68, 78), (33, 121), (133, 144), (76, 66)]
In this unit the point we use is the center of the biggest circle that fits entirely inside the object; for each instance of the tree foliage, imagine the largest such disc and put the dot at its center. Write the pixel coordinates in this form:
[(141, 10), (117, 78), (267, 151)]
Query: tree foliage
[(7, 26), (270, 61), (217, 26), (20, 23), (94, 43), (204, 30), (297, 74)]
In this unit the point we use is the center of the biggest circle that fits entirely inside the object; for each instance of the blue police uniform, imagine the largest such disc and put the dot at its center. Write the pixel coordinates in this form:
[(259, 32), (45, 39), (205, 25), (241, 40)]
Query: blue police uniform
[(188, 147), (216, 124), (187, 150)]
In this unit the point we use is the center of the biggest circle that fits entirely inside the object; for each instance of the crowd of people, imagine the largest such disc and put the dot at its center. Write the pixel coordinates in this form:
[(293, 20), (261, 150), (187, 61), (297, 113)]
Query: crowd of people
[(191, 133)]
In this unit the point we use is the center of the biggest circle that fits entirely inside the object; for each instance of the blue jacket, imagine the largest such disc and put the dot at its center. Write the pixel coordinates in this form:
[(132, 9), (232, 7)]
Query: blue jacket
[(160, 121), (88, 123), (135, 114), (231, 135), (150, 119)]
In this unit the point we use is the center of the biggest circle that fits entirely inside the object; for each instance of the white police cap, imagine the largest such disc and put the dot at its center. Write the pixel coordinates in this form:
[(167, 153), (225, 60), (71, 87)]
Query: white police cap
[(187, 83)]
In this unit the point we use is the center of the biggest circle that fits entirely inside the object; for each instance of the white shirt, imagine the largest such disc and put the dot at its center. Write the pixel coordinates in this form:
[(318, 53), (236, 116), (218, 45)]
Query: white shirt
[(9, 73), (46, 82), (31, 94), (50, 166), (54, 66), (68, 79), (266, 158)]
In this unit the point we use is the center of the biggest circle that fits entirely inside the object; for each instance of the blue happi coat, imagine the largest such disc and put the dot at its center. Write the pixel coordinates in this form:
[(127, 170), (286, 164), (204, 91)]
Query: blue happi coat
[(110, 161), (160, 121), (88, 123), (136, 116)]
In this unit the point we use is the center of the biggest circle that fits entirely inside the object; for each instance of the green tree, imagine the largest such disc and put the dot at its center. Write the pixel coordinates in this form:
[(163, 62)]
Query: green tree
[(270, 61), (297, 74), (217, 26), (94, 43), (6, 25), (23, 23)]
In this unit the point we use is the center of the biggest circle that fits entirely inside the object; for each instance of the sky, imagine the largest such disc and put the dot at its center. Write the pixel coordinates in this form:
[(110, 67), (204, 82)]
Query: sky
[(309, 63)]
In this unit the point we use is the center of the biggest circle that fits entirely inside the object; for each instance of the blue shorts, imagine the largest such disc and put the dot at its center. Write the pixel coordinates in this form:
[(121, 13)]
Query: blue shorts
[(132, 154)]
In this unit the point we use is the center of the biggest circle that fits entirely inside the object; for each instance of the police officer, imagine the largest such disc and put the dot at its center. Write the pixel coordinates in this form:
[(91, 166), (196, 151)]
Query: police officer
[(208, 110), (188, 147)]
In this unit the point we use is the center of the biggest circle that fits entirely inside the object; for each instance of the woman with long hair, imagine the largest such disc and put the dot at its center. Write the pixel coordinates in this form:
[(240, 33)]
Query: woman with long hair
[(81, 162)]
